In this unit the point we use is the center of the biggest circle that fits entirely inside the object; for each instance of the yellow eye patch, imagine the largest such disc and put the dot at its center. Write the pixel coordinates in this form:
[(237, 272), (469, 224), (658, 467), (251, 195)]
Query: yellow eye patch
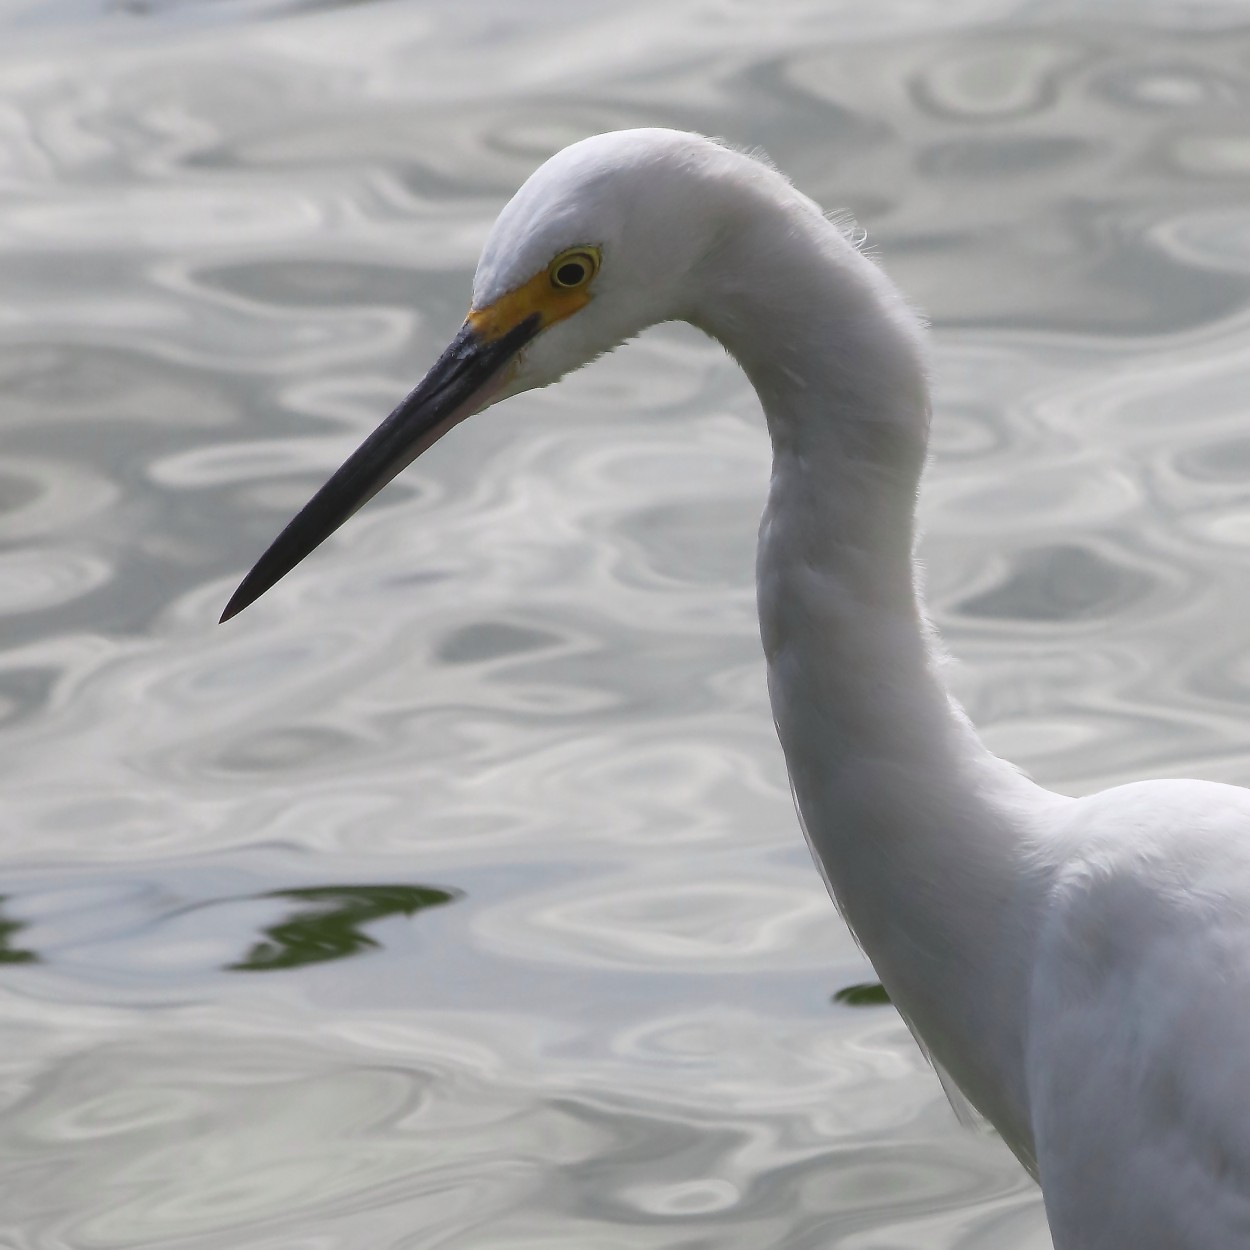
[(553, 293)]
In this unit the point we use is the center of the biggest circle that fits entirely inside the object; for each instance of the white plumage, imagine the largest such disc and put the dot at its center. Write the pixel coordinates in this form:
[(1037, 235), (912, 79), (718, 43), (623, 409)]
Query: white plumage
[(1080, 968)]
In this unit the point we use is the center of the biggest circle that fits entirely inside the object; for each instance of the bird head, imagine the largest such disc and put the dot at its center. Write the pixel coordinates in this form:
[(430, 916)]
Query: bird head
[(601, 241)]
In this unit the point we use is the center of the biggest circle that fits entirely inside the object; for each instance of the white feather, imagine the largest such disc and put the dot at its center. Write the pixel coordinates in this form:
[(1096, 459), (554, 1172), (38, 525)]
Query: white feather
[(1079, 969)]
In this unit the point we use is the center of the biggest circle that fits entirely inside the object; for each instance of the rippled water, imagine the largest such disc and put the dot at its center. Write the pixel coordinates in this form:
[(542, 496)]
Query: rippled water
[(452, 897)]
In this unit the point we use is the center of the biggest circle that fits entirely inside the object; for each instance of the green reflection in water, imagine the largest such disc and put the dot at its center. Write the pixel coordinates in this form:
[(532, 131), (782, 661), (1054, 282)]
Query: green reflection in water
[(329, 923), (9, 929), (869, 994)]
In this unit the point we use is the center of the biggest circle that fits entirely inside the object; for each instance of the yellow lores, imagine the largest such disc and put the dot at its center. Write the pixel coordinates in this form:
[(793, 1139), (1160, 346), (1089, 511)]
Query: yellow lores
[(553, 293)]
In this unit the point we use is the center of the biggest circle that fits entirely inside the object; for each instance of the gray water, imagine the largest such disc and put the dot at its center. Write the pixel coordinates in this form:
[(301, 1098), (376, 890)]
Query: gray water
[(452, 896)]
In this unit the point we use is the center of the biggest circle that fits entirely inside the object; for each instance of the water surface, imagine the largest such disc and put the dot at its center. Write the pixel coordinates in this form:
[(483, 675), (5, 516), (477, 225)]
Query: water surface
[(453, 897)]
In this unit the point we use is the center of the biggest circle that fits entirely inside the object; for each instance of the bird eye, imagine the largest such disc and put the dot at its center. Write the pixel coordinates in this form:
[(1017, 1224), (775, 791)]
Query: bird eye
[(574, 268)]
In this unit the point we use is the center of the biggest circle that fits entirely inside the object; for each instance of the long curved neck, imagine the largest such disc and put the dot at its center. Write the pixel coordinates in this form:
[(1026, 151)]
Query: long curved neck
[(921, 833)]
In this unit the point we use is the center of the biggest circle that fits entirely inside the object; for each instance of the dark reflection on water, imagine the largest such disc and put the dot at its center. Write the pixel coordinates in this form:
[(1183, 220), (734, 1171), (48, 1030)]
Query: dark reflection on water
[(232, 236), (331, 923), (148, 924), (868, 994), (9, 929)]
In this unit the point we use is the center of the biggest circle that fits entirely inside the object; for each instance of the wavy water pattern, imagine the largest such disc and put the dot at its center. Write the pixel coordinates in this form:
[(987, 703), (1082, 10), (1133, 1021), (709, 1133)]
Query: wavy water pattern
[(453, 897)]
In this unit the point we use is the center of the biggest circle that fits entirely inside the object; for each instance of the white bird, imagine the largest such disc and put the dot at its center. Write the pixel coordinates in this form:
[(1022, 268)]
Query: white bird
[(1078, 968)]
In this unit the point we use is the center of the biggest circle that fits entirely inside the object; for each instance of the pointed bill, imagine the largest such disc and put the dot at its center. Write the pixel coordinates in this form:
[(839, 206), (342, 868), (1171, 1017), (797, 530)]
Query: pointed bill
[(463, 381)]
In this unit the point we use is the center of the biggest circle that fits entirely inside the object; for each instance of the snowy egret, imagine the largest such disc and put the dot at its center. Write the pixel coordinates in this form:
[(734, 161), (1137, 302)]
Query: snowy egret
[(1079, 969)]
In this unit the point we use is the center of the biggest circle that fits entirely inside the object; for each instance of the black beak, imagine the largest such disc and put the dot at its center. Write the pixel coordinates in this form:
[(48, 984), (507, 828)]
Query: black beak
[(457, 386)]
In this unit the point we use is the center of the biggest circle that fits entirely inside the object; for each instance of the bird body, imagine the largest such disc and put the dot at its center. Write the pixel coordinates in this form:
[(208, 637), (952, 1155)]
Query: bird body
[(1078, 968), (1138, 1043)]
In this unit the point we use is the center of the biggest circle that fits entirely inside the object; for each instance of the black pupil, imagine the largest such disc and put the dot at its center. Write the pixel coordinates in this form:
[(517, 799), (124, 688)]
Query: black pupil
[(570, 273)]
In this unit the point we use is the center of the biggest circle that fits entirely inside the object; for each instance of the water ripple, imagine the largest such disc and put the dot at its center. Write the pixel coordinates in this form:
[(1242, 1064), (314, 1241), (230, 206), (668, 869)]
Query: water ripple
[(528, 678)]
